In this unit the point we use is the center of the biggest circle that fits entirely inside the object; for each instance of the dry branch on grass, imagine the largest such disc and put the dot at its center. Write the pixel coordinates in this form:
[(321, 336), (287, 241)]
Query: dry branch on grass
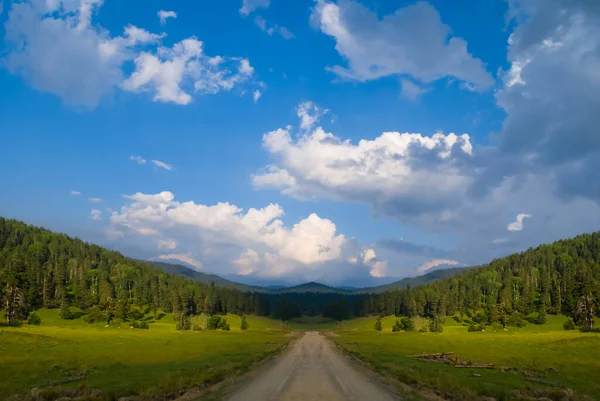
[(445, 357)]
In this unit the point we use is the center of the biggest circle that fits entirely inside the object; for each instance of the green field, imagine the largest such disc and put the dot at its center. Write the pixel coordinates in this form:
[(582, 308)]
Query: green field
[(545, 357), (124, 361)]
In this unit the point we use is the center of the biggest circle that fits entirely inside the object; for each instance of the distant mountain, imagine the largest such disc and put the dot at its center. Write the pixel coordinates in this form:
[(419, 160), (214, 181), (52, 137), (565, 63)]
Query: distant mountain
[(414, 281), (205, 277), (306, 287), (313, 287)]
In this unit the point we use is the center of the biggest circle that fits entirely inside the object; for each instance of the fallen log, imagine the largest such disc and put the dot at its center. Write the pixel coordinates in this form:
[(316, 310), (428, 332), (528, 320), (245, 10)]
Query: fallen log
[(431, 355), (477, 366)]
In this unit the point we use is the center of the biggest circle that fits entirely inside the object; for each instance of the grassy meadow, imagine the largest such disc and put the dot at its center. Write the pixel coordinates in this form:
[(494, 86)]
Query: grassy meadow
[(124, 361), (543, 357)]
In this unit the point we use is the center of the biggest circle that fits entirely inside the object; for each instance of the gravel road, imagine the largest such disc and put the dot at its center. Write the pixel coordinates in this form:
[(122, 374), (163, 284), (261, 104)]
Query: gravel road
[(312, 368)]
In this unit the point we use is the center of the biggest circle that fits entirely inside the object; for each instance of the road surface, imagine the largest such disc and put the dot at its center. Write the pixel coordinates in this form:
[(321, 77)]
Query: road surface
[(312, 368)]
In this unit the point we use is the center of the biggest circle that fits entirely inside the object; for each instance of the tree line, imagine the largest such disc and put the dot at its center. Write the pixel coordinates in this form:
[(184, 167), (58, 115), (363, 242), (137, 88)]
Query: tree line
[(39, 268), (563, 277)]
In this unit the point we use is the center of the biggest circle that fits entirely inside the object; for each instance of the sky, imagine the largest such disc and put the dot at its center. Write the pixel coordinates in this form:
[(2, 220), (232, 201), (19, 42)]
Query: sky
[(350, 142)]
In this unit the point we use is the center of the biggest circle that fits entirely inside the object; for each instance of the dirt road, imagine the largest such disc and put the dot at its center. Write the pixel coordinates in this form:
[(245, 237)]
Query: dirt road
[(312, 368)]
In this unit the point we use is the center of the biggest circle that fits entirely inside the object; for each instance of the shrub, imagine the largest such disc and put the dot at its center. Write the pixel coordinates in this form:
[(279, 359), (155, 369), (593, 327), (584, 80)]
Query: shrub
[(378, 325), (569, 325), (117, 322), (183, 323), (223, 325), (34, 319), (475, 327), (94, 315), (64, 311), (516, 320), (140, 325), (397, 326), (213, 322), (408, 324), (435, 325), (244, 325)]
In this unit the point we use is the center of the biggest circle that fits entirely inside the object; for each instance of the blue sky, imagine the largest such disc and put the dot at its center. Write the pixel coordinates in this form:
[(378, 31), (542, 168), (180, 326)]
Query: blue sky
[(341, 141)]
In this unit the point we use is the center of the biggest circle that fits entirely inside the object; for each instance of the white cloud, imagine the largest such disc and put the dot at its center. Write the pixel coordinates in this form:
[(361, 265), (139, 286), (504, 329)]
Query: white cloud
[(247, 261), (165, 72), (309, 114), (270, 30), (248, 6), (185, 258), (138, 159), (164, 15), (264, 244), (413, 40), (75, 193), (95, 214), (87, 62), (95, 200), (435, 263), (256, 95), (410, 90), (164, 165), (398, 173), (517, 225), (166, 244)]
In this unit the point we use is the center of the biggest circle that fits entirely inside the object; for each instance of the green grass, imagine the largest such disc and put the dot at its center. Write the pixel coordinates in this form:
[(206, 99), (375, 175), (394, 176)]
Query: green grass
[(124, 361), (533, 349)]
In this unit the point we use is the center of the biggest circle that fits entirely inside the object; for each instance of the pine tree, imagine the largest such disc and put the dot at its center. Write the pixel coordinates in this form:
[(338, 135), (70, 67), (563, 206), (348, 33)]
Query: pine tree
[(64, 311)]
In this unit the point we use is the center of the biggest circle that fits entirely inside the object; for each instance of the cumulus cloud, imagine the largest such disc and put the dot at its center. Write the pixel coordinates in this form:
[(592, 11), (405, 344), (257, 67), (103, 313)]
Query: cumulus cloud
[(248, 6), (398, 173), (163, 165), (164, 15), (435, 263), (138, 159), (517, 225), (256, 95), (95, 214), (165, 72), (274, 248), (185, 258), (551, 93), (411, 41), (87, 62)]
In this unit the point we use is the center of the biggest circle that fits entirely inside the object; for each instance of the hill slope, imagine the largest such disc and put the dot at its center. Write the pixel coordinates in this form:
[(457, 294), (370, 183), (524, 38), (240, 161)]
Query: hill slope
[(413, 281), (206, 278)]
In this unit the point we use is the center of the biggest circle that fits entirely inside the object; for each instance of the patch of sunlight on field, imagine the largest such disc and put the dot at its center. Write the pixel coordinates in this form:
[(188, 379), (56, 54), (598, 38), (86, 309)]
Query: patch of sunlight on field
[(538, 349), (124, 361)]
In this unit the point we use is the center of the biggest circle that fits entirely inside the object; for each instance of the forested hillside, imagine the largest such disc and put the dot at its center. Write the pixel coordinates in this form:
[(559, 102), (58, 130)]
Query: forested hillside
[(563, 277), (39, 268)]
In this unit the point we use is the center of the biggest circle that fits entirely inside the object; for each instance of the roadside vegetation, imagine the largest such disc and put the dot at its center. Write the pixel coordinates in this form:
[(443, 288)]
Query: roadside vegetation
[(121, 361), (536, 361)]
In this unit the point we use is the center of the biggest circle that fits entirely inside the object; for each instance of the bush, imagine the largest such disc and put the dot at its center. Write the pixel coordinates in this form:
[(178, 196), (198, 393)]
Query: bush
[(435, 325), (64, 311), (516, 320), (569, 325), (140, 325), (183, 323), (397, 326), (117, 322), (408, 324), (223, 325), (476, 327), (34, 319), (244, 325), (213, 322), (94, 315), (378, 325)]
